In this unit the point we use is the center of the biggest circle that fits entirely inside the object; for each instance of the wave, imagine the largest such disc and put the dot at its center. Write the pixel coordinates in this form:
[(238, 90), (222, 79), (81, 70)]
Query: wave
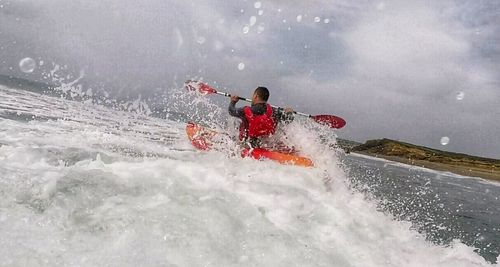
[(88, 185)]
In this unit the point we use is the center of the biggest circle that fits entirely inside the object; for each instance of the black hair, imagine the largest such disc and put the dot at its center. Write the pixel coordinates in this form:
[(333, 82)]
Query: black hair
[(262, 93)]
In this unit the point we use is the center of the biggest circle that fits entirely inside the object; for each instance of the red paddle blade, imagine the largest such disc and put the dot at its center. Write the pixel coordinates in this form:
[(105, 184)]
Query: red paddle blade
[(330, 120), (199, 87)]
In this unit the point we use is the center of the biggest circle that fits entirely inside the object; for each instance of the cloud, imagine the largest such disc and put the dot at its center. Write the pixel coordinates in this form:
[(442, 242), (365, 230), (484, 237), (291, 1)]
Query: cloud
[(406, 65), (391, 68)]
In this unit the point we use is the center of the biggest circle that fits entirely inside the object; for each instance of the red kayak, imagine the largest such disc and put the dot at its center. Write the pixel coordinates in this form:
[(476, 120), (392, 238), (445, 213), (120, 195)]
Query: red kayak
[(201, 138)]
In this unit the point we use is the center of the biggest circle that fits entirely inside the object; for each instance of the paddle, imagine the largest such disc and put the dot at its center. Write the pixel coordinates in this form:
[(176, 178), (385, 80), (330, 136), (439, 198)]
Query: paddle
[(328, 120)]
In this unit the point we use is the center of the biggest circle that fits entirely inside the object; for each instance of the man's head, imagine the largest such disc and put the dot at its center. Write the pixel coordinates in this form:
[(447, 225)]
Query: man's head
[(260, 95)]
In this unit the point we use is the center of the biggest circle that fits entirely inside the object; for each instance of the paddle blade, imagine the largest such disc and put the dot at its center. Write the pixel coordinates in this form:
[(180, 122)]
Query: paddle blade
[(200, 137), (200, 87), (330, 120)]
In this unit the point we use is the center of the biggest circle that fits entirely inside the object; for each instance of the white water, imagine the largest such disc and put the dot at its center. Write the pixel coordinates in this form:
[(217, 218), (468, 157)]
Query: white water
[(97, 187)]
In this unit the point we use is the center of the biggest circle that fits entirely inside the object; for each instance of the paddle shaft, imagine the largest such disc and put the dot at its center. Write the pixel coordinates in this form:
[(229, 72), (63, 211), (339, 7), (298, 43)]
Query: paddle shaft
[(330, 120), (249, 100)]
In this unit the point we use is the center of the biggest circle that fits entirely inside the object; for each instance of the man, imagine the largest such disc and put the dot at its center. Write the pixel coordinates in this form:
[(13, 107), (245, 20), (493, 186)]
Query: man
[(258, 121)]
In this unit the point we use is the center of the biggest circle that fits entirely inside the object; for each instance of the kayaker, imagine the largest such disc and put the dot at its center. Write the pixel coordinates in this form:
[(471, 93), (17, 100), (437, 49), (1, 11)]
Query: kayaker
[(258, 121)]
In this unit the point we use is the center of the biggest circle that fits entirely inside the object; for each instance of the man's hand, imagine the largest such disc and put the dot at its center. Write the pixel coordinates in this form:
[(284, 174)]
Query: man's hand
[(288, 110), (234, 98)]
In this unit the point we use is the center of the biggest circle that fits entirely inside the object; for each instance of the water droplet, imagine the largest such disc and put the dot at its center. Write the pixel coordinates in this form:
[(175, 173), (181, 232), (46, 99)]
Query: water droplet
[(261, 28), (241, 66), (246, 29), (201, 40), (460, 96), (281, 62), (253, 20), (326, 21), (279, 10), (242, 11), (261, 12), (257, 4), (299, 18), (27, 65), (317, 19), (445, 140), (284, 21)]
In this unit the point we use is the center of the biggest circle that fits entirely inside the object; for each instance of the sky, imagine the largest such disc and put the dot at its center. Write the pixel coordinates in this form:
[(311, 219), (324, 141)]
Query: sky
[(414, 71)]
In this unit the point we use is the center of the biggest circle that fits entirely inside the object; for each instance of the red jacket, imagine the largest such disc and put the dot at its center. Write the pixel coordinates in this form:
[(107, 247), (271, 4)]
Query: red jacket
[(257, 125)]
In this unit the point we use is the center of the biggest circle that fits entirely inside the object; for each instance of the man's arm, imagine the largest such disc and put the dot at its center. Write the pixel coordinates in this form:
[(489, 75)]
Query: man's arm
[(235, 112), (283, 115)]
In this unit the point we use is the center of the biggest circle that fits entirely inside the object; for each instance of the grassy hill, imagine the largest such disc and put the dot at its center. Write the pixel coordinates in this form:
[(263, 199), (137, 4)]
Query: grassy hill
[(431, 158)]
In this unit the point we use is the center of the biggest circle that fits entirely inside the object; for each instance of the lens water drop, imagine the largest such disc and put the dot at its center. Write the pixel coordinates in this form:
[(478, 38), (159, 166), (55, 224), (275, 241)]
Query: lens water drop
[(246, 29), (317, 19), (201, 40), (27, 65), (257, 5), (241, 66), (445, 140), (299, 18), (261, 28), (460, 96), (253, 20)]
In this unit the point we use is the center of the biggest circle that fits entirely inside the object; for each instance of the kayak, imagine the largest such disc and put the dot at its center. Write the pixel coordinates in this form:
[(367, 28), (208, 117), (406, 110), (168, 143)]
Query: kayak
[(202, 139)]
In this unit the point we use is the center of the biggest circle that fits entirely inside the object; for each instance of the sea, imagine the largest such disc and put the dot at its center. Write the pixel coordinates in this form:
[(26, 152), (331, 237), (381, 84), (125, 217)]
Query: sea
[(86, 184)]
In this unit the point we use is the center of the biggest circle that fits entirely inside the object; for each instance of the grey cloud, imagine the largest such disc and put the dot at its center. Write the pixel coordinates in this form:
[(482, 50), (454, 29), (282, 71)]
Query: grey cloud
[(391, 68)]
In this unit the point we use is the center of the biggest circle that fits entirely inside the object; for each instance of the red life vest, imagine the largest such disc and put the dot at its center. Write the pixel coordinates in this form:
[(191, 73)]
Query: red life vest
[(257, 125)]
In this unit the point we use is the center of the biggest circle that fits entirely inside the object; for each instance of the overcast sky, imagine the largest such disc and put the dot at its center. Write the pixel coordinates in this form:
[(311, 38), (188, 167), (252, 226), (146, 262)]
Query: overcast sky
[(414, 71)]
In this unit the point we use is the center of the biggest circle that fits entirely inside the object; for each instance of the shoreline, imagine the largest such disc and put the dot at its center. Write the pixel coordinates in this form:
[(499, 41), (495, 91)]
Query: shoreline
[(414, 155), (494, 175)]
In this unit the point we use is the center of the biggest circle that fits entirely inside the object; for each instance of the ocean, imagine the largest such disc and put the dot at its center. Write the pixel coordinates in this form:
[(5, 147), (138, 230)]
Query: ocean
[(88, 185)]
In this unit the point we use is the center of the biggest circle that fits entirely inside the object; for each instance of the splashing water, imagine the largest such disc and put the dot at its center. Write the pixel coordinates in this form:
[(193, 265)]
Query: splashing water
[(94, 186)]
